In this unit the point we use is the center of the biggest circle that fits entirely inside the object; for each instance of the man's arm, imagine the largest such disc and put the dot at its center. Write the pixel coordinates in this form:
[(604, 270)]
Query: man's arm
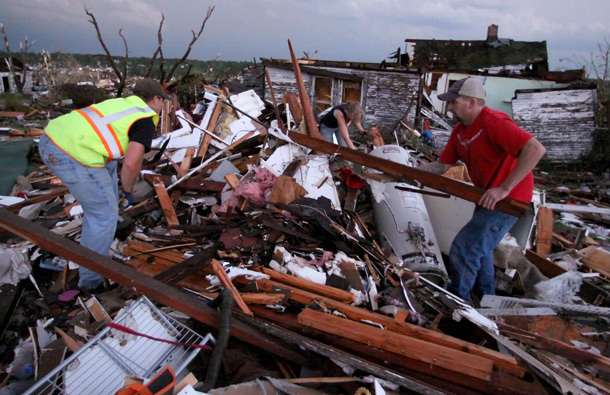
[(343, 128), (528, 157), (132, 165), (435, 167)]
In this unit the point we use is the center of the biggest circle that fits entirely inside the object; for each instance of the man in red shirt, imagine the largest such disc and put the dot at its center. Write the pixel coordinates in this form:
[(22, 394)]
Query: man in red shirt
[(500, 157)]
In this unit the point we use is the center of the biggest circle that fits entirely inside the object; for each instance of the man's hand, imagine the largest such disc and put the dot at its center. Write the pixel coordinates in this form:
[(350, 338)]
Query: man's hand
[(493, 196), (126, 200)]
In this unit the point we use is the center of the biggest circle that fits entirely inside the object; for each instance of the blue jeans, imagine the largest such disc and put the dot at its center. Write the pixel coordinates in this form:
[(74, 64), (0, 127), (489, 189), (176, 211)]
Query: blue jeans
[(471, 255), (328, 134), (96, 189)]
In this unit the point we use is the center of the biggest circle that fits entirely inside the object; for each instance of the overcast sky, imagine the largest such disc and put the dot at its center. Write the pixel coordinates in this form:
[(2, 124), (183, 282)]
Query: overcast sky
[(356, 30)]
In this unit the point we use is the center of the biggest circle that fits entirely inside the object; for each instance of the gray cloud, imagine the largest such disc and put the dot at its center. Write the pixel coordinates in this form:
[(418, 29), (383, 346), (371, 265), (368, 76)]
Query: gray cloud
[(355, 30)]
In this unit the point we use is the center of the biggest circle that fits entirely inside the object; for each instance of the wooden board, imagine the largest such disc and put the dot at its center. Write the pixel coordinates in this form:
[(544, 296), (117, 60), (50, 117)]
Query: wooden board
[(433, 354), (544, 231)]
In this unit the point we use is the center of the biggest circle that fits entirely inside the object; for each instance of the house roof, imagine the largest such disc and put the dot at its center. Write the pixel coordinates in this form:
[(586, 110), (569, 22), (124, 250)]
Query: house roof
[(308, 65), (465, 56)]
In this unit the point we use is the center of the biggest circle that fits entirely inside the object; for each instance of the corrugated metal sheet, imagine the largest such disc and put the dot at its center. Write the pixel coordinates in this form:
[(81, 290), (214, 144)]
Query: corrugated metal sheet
[(562, 120)]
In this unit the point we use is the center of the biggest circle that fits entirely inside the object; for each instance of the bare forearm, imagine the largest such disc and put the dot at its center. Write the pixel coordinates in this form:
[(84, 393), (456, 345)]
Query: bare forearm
[(435, 167), (129, 175), (529, 156)]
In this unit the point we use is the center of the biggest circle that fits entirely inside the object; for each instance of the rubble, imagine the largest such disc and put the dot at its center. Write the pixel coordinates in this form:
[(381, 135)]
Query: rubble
[(258, 234)]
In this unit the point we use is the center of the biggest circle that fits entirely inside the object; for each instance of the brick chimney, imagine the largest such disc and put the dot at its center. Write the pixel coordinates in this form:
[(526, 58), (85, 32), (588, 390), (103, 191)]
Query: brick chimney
[(492, 33)]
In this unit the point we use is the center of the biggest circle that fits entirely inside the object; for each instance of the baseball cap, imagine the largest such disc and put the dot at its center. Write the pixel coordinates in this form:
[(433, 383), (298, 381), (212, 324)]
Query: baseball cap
[(470, 87), (147, 87)]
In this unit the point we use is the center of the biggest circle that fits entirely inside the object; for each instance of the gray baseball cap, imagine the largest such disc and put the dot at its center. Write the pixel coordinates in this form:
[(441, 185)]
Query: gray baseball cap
[(470, 87), (149, 87)]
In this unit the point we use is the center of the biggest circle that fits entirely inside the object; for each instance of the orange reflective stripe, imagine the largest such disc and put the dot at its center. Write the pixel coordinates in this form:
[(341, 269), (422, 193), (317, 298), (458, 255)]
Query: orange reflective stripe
[(97, 131)]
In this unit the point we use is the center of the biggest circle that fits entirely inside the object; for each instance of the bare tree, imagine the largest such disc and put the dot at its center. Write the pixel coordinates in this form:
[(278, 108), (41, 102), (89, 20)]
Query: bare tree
[(177, 63), (24, 47), (158, 54), (597, 65), (121, 75)]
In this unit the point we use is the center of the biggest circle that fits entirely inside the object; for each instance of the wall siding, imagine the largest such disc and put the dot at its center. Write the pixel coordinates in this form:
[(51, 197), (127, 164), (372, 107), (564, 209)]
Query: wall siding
[(387, 95), (562, 120)]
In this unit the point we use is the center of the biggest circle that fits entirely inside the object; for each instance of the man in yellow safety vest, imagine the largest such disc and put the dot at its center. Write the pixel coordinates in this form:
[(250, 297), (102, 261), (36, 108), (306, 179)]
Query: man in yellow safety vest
[(82, 149)]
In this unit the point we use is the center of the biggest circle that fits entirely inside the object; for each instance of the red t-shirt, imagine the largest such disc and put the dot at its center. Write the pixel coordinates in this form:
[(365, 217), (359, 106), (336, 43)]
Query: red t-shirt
[(489, 148)]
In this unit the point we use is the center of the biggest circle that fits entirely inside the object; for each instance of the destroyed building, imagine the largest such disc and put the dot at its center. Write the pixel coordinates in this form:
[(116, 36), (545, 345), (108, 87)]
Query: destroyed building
[(326, 262)]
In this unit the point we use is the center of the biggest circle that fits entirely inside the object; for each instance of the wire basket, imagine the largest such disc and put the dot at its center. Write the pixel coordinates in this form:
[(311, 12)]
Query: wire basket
[(100, 367)]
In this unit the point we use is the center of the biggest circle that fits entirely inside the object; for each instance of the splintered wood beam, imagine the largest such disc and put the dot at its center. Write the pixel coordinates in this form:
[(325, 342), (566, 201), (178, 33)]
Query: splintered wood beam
[(145, 285), (232, 180), (544, 231), (166, 205), (185, 165), (501, 361), (321, 289), (310, 120), (280, 123), (407, 173), (419, 350), (226, 282), (15, 208), (205, 143), (557, 347)]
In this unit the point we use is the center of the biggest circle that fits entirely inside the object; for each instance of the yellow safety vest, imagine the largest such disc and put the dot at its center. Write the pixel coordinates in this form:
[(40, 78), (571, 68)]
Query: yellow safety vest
[(99, 133)]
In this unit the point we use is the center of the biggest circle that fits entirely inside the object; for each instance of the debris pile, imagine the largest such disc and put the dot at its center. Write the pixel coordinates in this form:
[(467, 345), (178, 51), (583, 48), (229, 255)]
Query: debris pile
[(240, 209)]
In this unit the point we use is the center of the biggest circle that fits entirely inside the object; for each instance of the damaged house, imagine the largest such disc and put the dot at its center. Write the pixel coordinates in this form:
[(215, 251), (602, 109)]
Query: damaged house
[(385, 95), (558, 108)]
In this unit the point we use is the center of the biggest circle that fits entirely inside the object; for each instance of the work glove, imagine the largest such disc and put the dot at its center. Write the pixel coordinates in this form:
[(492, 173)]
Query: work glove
[(125, 200)]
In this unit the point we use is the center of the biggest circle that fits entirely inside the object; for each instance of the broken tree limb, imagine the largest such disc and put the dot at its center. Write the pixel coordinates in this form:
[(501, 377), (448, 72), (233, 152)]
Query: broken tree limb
[(406, 173), (310, 121), (130, 278)]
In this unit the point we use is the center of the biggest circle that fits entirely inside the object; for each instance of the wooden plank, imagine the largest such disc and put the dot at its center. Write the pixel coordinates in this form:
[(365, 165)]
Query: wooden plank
[(321, 289), (14, 208), (546, 267), (598, 260), (166, 205), (557, 347), (563, 241), (205, 143), (280, 123), (407, 173), (544, 231), (501, 361), (11, 114), (419, 350), (226, 282), (185, 165), (310, 121), (232, 180)]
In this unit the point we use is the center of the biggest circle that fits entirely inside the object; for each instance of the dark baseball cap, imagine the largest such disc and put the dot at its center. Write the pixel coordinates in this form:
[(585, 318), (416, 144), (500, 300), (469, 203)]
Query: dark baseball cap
[(470, 87), (148, 87)]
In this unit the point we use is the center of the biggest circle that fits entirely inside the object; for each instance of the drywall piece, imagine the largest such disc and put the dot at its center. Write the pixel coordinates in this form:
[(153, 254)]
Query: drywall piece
[(248, 102), (225, 167), (102, 364)]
